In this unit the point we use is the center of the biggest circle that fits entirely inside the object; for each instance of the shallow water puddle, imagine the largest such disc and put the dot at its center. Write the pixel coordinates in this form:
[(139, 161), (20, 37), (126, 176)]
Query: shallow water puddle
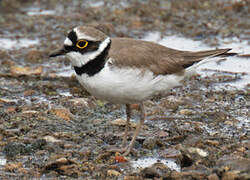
[(33, 11), (231, 64), (9, 43), (144, 162), (3, 161)]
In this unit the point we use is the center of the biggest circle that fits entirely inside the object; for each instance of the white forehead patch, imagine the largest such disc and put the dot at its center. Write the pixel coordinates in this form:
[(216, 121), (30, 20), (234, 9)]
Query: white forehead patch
[(68, 42), (81, 35)]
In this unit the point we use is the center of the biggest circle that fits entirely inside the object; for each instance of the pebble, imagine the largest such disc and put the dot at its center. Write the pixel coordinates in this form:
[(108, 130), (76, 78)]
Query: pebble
[(51, 139), (199, 151), (80, 102), (186, 112), (112, 172), (13, 166), (149, 143), (18, 70), (230, 175), (171, 153), (213, 177), (63, 113), (122, 122), (212, 142)]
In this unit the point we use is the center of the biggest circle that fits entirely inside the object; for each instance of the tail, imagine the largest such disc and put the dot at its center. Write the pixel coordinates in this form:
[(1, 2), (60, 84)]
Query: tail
[(201, 57)]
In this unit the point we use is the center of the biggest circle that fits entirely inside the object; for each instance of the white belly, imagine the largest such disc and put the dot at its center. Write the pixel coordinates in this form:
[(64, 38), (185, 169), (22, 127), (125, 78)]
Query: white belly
[(127, 85)]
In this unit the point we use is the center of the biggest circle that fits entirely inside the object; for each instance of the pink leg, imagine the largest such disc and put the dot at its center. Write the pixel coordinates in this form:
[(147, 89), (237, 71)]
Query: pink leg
[(128, 113), (138, 128)]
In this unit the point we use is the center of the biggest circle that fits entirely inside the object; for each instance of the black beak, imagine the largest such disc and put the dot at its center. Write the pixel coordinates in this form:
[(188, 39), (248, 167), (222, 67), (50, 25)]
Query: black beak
[(58, 52)]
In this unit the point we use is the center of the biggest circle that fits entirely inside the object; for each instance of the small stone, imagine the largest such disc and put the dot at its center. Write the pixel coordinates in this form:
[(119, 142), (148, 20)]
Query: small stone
[(171, 153), (10, 110), (68, 146), (13, 166), (18, 70), (29, 112), (51, 139), (112, 172), (199, 151), (63, 113), (230, 175), (62, 160), (149, 143), (162, 134), (230, 123), (212, 142), (213, 177), (29, 92), (132, 178), (122, 122), (186, 112), (8, 101), (80, 102), (241, 149)]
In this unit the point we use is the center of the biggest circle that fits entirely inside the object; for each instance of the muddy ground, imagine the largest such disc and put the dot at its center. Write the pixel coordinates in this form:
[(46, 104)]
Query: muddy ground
[(51, 128)]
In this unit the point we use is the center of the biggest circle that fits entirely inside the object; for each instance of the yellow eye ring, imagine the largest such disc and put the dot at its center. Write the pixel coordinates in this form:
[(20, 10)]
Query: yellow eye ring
[(81, 44)]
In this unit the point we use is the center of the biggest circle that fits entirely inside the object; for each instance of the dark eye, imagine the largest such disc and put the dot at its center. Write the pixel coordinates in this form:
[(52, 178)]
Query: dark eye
[(81, 44)]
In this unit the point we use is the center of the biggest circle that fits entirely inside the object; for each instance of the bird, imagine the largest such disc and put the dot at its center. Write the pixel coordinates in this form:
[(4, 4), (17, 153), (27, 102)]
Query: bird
[(128, 71)]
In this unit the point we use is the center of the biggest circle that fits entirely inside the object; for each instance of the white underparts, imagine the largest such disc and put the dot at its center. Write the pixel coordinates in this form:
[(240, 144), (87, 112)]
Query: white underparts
[(78, 59), (127, 85)]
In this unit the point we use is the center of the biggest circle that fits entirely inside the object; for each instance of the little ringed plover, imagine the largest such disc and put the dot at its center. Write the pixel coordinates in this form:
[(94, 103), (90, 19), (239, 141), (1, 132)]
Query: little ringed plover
[(125, 70)]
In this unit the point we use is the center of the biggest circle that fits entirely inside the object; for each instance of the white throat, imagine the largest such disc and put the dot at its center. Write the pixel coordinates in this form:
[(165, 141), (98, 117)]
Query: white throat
[(78, 59)]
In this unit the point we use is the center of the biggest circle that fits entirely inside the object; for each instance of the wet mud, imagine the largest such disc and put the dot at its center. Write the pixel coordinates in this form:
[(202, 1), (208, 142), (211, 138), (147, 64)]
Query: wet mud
[(51, 128)]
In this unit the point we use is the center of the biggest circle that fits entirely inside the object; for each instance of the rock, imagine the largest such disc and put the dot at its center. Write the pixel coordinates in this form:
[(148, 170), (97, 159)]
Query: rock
[(29, 92), (171, 153), (230, 123), (80, 102), (157, 170), (63, 113), (213, 177), (51, 139), (212, 142), (13, 166), (230, 175), (30, 113), (19, 71), (12, 149), (149, 143), (132, 178), (199, 151), (8, 101), (68, 146), (198, 175), (162, 134), (186, 112), (234, 163), (112, 172), (11, 109), (122, 122), (63, 166)]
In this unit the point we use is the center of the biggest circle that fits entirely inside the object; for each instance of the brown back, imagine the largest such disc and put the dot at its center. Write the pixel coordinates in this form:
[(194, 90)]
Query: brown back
[(159, 59)]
